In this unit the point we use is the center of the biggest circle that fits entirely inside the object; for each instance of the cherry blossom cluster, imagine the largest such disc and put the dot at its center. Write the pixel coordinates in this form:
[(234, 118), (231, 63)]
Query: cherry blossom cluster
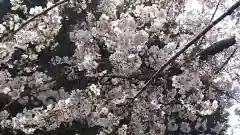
[(83, 61)]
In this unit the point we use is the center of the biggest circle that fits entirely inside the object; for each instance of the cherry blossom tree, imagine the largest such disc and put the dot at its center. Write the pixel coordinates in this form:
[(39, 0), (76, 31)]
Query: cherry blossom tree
[(124, 67)]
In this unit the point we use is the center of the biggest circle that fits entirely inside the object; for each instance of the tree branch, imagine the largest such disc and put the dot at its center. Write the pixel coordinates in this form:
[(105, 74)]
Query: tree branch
[(209, 27), (193, 53), (225, 93), (217, 47), (216, 8), (2, 39), (226, 62), (218, 71)]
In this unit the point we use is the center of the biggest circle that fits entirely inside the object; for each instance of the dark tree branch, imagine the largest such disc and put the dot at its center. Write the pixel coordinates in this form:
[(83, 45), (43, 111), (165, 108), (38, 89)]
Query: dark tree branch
[(6, 35), (201, 40), (217, 47), (209, 27)]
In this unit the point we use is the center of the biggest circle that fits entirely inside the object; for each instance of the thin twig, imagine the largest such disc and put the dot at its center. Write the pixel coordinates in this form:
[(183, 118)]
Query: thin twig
[(209, 27), (225, 93), (214, 13), (170, 6), (218, 71), (8, 105), (201, 40), (226, 62), (31, 19)]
